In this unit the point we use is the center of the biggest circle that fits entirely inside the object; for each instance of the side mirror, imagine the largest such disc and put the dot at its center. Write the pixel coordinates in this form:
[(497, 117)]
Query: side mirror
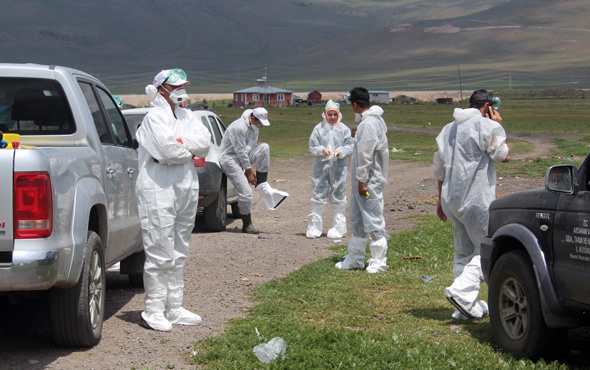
[(560, 178)]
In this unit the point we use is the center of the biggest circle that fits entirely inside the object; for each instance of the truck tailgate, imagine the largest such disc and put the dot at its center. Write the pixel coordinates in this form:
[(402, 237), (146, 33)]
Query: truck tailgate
[(6, 214)]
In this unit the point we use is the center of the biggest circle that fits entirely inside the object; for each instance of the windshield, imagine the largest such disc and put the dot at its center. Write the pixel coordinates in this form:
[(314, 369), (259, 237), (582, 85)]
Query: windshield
[(34, 106)]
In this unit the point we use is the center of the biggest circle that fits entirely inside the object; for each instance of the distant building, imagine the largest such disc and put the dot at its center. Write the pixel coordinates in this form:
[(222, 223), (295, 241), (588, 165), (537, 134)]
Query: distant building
[(444, 101), (262, 94), (314, 97), (297, 100), (380, 97)]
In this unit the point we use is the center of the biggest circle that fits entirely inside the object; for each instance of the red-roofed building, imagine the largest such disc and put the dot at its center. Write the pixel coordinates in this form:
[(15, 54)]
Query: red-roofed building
[(262, 94)]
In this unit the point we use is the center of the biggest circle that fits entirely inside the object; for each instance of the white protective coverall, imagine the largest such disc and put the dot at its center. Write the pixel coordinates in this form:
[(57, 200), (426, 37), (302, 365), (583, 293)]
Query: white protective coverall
[(370, 164), (467, 149), (328, 175), (239, 150), (167, 197)]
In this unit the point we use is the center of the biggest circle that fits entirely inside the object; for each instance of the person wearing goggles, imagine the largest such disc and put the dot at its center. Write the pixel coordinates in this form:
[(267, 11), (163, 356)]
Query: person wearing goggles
[(167, 197), (466, 172)]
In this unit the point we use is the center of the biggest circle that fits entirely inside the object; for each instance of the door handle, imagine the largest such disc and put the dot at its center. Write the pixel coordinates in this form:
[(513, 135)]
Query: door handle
[(130, 171)]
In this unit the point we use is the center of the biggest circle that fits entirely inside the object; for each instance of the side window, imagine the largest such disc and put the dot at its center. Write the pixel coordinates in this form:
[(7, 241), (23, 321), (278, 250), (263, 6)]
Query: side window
[(99, 122), (221, 126), (215, 130), (115, 117), (206, 123)]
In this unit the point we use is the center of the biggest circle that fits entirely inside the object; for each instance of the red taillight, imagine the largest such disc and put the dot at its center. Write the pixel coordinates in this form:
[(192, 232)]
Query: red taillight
[(33, 207), (198, 162)]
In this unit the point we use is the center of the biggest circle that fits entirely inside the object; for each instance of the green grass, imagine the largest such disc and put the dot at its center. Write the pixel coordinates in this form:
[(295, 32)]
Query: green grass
[(350, 319), (291, 127)]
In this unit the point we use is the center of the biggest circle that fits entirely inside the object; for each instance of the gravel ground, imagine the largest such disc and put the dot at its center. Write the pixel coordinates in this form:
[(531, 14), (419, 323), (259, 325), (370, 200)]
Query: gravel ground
[(221, 270)]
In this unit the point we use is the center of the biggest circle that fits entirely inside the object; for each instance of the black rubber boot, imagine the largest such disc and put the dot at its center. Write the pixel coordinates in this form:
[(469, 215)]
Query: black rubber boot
[(261, 177), (247, 227)]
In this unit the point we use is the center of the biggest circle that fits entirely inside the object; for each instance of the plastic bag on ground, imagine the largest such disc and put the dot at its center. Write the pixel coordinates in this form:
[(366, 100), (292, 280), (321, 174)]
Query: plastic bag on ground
[(266, 352)]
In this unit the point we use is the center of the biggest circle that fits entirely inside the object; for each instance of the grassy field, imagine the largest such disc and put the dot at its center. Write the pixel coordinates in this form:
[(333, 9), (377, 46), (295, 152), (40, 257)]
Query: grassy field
[(291, 126), (335, 319)]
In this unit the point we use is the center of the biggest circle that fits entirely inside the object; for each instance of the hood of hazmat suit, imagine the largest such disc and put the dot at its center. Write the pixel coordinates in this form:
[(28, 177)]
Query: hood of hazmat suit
[(239, 140)]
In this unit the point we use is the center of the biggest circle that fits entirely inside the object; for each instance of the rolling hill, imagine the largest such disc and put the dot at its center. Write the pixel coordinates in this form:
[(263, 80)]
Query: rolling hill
[(323, 44)]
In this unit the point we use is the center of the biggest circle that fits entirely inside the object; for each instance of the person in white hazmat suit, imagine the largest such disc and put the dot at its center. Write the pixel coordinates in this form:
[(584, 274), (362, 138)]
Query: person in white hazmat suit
[(464, 166), (331, 143), (370, 164), (167, 196), (239, 151)]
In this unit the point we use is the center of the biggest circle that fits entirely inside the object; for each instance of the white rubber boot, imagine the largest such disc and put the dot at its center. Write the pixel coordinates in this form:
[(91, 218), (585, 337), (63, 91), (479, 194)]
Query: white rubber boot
[(314, 227), (181, 316), (156, 293), (272, 197), (465, 290), (339, 221), (355, 259), (155, 321), (378, 261)]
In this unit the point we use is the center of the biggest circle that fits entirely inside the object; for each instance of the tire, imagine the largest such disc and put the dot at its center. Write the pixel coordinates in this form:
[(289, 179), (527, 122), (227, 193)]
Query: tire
[(132, 266), (76, 314), (216, 213), (516, 316), (235, 210)]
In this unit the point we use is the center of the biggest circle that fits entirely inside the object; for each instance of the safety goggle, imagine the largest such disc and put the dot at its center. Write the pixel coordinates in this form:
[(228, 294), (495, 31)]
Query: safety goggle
[(173, 76)]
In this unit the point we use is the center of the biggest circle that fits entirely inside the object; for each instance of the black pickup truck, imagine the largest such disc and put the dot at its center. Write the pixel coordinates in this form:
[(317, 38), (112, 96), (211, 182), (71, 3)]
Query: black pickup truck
[(536, 261)]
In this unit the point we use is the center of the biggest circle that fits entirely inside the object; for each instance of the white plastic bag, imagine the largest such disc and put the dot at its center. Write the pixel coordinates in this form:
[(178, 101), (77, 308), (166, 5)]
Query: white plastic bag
[(266, 352)]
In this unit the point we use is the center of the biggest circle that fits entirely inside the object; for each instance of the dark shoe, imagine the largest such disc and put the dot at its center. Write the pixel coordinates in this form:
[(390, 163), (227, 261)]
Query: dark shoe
[(248, 228), (261, 177)]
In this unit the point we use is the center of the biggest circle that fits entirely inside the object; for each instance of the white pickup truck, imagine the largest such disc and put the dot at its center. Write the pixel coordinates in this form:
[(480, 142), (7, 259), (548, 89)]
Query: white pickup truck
[(68, 195)]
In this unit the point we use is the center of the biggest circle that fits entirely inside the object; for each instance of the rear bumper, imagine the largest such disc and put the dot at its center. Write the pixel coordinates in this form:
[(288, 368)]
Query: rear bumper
[(30, 270)]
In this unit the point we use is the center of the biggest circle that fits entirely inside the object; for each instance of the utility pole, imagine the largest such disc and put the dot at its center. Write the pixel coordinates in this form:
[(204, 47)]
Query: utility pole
[(460, 84)]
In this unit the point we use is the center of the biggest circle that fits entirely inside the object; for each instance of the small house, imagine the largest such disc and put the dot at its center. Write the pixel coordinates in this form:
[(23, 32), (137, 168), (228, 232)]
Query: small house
[(297, 100), (262, 94), (314, 97), (379, 97)]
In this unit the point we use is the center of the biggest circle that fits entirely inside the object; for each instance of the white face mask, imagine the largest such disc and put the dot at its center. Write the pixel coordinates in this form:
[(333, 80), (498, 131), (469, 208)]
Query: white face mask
[(178, 95), (358, 117)]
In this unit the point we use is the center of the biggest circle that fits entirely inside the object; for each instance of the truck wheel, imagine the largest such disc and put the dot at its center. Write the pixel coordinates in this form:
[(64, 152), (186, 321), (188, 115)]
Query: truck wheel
[(76, 314), (216, 213), (132, 266), (516, 318), (235, 210)]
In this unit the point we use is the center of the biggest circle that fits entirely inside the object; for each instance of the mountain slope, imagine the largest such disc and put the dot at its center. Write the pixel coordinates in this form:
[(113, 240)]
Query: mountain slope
[(327, 44)]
